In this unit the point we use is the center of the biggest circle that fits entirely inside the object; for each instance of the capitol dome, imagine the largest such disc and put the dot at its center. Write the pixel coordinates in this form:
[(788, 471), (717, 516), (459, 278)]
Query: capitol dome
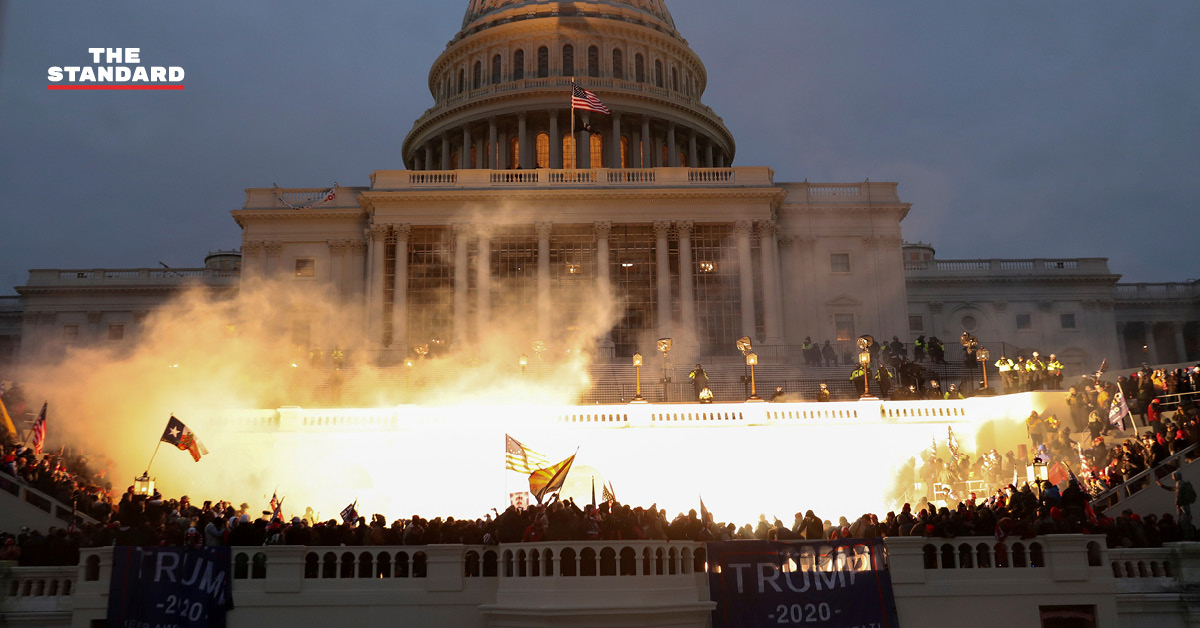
[(502, 91)]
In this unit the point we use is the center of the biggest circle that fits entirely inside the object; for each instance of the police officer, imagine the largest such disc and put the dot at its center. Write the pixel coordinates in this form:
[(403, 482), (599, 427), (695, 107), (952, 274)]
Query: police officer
[(859, 377), (1054, 372), (1037, 370), (919, 349), (1005, 366)]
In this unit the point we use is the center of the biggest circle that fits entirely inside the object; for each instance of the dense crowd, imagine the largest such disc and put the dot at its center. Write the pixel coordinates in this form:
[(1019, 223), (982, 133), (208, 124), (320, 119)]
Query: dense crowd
[(1016, 509)]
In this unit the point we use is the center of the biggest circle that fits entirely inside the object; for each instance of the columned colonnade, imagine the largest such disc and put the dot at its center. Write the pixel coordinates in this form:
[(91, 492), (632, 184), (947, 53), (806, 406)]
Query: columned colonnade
[(477, 147), (379, 236)]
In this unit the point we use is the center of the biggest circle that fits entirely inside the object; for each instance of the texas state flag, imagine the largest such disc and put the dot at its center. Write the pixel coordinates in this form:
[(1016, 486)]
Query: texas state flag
[(184, 438)]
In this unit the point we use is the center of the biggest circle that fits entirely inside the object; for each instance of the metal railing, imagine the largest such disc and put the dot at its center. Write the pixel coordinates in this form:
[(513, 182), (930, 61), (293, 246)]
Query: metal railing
[(1134, 485)]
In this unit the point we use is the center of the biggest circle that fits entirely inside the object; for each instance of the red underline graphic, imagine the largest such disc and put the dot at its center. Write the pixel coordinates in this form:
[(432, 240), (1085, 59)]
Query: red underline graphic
[(122, 87)]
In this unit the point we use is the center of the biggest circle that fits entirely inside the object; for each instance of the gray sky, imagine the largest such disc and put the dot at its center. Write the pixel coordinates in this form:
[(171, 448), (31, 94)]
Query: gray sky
[(1016, 128)]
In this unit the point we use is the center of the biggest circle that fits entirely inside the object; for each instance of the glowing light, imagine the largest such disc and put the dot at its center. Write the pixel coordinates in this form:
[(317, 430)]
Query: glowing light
[(708, 267), (626, 264)]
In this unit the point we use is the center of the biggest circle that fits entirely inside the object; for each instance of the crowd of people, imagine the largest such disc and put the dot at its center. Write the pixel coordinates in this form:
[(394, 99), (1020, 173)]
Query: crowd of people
[(1013, 509)]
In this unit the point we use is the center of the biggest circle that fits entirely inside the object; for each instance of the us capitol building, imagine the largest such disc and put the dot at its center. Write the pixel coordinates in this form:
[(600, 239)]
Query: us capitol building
[(506, 207)]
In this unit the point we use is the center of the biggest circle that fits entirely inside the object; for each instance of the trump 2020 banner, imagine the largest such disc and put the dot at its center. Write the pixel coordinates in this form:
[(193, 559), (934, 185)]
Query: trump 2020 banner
[(170, 587), (822, 584)]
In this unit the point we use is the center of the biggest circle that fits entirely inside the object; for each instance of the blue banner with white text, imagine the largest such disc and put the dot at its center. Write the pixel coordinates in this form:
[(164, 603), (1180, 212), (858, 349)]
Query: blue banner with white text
[(819, 584), (170, 587)]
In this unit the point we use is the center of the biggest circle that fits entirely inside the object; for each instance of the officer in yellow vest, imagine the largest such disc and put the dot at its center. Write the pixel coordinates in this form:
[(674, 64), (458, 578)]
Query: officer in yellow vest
[(1005, 366), (1037, 370), (1054, 372), (859, 377)]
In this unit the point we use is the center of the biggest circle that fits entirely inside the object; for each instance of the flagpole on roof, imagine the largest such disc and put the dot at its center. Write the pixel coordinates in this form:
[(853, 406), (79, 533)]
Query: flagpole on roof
[(574, 141)]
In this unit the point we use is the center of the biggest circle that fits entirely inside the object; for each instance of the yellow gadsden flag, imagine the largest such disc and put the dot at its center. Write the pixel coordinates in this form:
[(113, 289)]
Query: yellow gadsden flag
[(6, 421), (550, 479)]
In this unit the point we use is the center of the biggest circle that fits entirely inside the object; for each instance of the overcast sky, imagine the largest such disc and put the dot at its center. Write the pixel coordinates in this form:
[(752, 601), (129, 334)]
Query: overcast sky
[(1016, 129)]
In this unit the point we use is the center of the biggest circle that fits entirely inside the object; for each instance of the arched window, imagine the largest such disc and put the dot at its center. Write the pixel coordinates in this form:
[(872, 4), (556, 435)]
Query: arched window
[(618, 65), (624, 151), (519, 65), (593, 61), (478, 76), (462, 80), (543, 62), (496, 69), (597, 146), (658, 74), (543, 150), (639, 68), (568, 61), (674, 79), (514, 152), (568, 143)]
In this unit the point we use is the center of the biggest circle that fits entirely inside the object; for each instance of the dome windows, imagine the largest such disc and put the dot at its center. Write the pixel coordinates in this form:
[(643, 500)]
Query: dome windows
[(543, 62), (639, 68), (594, 61), (519, 65), (568, 60), (618, 64)]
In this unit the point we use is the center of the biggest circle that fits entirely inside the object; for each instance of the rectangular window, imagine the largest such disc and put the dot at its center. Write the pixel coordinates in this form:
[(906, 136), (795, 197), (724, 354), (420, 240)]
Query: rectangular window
[(1024, 321), (839, 262), (1068, 321), (306, 267), (844, 324), (116, 332), (70, 333), (916, 323)]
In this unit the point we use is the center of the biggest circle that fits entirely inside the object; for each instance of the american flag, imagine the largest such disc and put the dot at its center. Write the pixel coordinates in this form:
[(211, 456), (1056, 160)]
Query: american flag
[(583, 99), (608, 494), (519, 458), (39, 431)]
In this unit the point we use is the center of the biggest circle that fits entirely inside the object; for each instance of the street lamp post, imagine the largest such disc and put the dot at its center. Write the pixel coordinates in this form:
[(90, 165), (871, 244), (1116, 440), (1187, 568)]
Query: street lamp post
[(983, 355), (752, 361), (523, 361), (864, 358), (637, 365)]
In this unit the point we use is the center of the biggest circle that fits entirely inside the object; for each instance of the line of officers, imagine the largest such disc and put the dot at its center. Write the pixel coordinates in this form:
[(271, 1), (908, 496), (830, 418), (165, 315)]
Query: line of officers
[(1025, 375)]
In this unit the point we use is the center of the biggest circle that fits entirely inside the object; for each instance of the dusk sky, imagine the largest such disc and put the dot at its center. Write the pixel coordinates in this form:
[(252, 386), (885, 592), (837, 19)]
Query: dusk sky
[(1016, 128)]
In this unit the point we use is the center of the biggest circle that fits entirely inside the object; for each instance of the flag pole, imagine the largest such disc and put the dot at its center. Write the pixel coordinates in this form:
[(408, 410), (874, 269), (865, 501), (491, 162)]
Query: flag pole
[(25, 440), (573, 139), (148, 464)]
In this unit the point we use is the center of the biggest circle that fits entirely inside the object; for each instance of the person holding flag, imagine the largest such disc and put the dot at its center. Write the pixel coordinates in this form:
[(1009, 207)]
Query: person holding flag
[(350, 513), (38, 431), (550, 480)]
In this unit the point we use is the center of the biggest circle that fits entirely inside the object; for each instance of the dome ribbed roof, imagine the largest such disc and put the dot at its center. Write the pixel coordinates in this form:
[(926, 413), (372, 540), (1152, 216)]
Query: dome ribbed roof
[(477, 9)]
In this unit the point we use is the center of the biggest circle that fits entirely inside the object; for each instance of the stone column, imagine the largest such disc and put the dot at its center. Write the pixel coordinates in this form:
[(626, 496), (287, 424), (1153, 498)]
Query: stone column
[(400, 289), (483, 280), (741, 231), (692, 159), (662, 250), (502, 152), (274, 250), (647, 145), (672, 150), (522, 141), (356, 268), (464, 159), (708, 155), (337, 264), (429, 156), (1148, 343), (94, 317), (635, 149), (772, 312), (445, 151), (543, 278), (418, 162), (687, 286), (462, 235), (603, 280), (376, 242), (493, 153), (615, 143), (583, 146), (253, 265), (1180, 344), (555, 142)]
